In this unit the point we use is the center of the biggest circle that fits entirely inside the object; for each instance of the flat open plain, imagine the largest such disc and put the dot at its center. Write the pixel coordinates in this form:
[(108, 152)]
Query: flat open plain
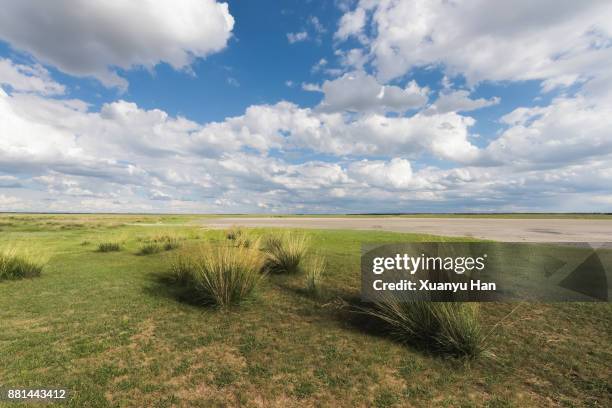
[(498, 229)]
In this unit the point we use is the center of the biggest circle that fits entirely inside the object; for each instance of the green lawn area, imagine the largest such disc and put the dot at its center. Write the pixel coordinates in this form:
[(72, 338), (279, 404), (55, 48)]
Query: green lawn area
[(110, 329)]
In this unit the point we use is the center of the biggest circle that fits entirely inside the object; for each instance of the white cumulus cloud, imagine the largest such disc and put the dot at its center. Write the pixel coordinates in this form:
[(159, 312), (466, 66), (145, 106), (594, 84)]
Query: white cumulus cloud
[(554, 41), (92, 38), (360, 92), (395, 174), (26, 78), (460, 101)]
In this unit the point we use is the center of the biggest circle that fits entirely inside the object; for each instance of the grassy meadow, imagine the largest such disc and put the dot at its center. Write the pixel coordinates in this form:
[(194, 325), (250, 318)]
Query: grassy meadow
[(114, 330)]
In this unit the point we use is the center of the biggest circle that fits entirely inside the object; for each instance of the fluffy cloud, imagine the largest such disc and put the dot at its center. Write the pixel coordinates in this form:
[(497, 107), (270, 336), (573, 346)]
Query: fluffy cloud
[(10, 203), (27, 78), (62, 153), (316, 25), (111, 160), (445, 136), (351, 23), (9, 182), (360, 92), (542, 152), (569, 130), (297, 37), (557, 42), (395, 174), (60, 184), (86, 38), (146, 156), (30, 142), (287, 126), (460, 101)]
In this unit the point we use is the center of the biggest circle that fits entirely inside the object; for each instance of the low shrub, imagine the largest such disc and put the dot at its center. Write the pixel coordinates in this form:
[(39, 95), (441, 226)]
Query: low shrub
[(222, 276), (450, 327), (314, 272), (285, 252), (150, 248), (14, 265), (110, 246)]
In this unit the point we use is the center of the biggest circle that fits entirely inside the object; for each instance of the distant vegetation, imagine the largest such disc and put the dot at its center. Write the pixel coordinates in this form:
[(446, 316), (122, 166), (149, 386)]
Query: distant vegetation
[(110, 246), (159, 243)]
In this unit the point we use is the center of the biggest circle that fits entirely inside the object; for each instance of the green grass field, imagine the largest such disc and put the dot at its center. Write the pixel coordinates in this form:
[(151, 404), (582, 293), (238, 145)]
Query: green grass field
[(107, 326)]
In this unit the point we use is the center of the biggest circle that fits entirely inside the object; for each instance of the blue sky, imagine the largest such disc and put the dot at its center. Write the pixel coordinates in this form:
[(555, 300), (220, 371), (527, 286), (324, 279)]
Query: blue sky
[(330, 106)]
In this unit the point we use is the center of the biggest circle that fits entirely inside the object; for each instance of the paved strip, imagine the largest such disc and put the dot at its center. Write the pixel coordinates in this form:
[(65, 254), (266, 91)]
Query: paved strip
[(510, 230)]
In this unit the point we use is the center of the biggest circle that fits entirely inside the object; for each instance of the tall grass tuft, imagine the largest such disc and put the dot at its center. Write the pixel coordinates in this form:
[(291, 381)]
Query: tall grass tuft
[(450, 327), (167, 240), (171, 244), (222, 276), (182, 268), (244, 240), (149, 249), (314, 272), (460, 329), (19, 264), (284, 253), (110, 246)]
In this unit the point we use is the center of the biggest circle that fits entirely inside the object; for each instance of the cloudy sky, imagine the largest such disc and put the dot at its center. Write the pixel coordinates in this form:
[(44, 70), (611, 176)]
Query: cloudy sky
[(305, 106)]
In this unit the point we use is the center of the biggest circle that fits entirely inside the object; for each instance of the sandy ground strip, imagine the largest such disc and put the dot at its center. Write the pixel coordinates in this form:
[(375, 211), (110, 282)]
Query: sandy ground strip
[(510, 230)]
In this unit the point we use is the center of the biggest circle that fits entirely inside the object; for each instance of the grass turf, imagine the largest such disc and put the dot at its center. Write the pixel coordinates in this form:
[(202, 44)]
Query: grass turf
[(109, 328)]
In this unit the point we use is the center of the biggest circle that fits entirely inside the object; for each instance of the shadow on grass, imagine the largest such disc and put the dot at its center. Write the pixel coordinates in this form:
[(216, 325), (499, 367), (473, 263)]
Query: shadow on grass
[(163, 285), (340, 306), (349, 312)]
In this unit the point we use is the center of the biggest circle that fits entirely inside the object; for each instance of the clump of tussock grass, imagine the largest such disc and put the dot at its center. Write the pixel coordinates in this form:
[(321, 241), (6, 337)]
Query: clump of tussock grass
[(222, 276), (171, 244), (247, 241), (314, 273), (166, 240), (149, 249), (449, 327), (164, 237), (109, 246), (233, 233), (16, 264), (241, 238), (285, 252)]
